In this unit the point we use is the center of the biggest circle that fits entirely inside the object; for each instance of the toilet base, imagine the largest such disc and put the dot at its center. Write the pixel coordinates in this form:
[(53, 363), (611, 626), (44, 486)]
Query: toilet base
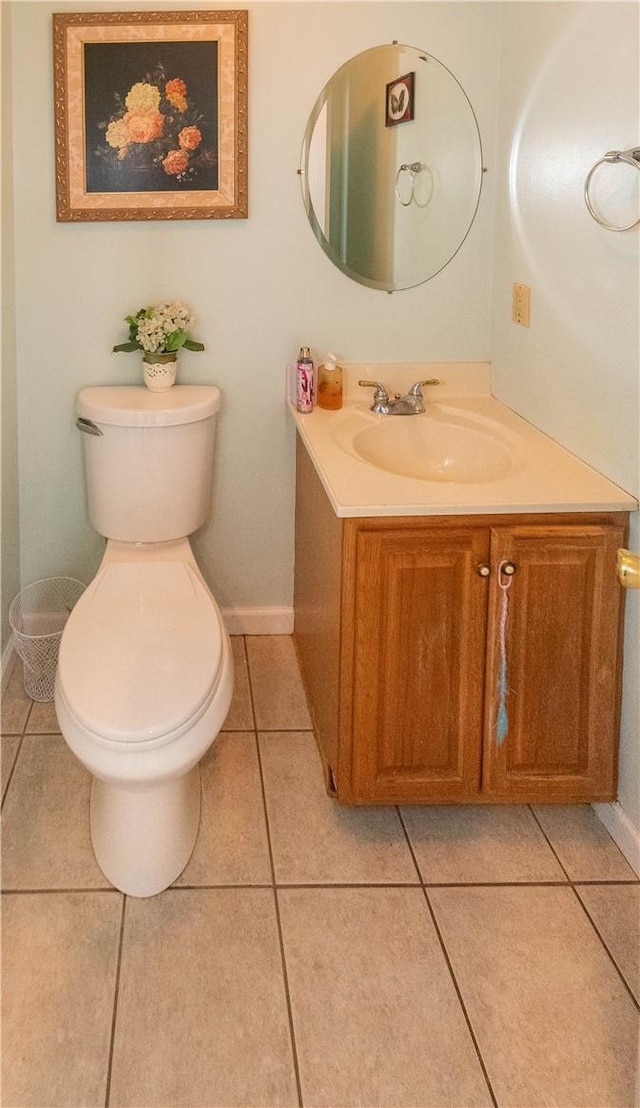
[(143, 838)]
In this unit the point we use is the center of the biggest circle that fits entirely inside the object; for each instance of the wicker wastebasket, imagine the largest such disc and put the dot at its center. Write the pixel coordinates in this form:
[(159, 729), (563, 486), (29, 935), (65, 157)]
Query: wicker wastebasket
[(37, 616)]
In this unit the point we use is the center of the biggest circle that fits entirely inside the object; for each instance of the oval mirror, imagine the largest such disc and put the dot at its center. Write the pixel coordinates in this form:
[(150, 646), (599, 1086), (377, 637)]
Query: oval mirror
[(391, 167)]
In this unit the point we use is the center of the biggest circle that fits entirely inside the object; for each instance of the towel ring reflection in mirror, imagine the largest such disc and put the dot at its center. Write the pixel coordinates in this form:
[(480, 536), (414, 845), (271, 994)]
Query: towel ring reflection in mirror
[(412, 170), (628, 157)]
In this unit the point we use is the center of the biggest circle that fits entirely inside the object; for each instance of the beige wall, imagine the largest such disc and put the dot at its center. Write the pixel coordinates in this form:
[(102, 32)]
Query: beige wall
[(260, 288), (10, 553)]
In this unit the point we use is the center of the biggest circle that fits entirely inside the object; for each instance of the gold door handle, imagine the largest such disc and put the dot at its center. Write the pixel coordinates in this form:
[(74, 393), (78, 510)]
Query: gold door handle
[(629, 569)]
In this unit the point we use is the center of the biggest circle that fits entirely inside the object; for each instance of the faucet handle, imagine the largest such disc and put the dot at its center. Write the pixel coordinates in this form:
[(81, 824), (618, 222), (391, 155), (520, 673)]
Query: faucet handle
[(380, 396), (416, 390)]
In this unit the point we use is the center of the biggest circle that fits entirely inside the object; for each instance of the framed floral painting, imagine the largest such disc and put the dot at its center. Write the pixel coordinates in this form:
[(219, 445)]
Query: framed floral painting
[(151, 115)]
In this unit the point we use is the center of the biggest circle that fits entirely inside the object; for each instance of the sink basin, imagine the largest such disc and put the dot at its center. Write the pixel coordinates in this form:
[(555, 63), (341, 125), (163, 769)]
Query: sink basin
[(441, 446)]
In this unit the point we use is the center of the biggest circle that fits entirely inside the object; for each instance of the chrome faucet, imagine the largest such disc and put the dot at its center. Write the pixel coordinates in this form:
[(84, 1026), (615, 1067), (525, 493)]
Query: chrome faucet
[(412, 403)]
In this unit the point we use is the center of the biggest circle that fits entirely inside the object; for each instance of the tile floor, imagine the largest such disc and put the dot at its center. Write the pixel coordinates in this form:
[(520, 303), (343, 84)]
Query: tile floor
[(310, 954)]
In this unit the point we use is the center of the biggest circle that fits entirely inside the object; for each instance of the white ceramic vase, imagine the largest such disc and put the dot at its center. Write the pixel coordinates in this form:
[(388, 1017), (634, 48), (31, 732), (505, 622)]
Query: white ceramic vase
[(159, 371)]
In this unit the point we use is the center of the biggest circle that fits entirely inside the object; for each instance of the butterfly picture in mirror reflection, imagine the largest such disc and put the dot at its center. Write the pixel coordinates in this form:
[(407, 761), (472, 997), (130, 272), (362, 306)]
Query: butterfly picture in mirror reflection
[(399, 102)]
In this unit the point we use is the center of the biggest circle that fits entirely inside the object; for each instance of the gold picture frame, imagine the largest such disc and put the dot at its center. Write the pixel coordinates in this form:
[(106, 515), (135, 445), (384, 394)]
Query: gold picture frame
[(150, 115)]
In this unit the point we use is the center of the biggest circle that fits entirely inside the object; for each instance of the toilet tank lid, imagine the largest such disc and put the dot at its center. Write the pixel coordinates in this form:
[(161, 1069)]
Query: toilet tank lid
[(138, 406)]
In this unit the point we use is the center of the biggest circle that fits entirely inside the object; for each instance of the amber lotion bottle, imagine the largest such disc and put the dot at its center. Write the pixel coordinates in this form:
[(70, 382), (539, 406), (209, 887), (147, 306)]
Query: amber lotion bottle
[(330, 385)]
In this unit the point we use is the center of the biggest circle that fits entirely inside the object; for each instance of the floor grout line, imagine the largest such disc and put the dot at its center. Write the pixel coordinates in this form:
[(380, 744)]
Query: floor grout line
[(245, 649), (447, 959), (605, 881), (283, 958), (285, 885), (604, 944), (13, 768), (458, 990), (548, 842), (65, 889), (287, 993), (116, 998)]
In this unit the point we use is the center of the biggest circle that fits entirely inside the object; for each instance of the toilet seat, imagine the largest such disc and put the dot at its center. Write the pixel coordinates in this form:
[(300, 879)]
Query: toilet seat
[(141, 653)]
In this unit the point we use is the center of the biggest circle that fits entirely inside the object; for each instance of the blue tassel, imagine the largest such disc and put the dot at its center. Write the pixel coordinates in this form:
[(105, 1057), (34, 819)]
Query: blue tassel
[(502, 720)]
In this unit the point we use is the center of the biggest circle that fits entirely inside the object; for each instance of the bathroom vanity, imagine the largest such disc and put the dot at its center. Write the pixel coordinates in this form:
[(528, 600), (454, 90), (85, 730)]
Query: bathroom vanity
[(411, 605)]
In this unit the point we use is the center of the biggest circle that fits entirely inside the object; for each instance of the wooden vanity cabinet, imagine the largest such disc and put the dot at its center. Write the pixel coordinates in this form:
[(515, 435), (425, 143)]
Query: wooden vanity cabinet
[(397, 630)]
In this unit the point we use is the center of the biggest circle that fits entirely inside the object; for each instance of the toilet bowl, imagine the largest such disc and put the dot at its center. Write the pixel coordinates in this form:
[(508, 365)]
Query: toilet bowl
[(144, 684), (145, 671)]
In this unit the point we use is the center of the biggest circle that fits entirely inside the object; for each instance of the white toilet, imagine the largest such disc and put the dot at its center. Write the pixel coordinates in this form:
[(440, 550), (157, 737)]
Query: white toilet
[(145, 671)]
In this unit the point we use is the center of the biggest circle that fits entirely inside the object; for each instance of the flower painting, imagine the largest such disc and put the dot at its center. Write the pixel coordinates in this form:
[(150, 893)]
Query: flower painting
[(157, 128), (151, 114)]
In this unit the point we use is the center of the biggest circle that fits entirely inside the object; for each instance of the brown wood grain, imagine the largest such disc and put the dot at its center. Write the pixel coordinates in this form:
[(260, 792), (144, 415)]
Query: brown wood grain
[(399, 646)]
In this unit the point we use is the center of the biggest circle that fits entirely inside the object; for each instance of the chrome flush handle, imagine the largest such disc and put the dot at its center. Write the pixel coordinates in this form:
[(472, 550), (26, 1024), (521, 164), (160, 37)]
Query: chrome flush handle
[(88, 426)]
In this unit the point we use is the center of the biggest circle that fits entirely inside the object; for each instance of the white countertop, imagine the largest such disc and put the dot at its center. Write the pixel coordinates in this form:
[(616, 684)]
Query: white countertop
[(544, 477)]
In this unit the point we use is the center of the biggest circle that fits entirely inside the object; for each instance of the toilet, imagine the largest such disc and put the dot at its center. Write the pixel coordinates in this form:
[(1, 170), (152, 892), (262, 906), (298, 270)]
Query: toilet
[(145, 670)]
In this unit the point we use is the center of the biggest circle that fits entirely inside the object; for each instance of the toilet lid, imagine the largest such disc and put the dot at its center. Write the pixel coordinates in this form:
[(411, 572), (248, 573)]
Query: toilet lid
[(141, 651)]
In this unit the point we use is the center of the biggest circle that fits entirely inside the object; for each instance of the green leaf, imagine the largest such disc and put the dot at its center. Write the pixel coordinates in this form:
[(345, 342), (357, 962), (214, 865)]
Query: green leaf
[(174, 341), (126, 346), (189, 344)]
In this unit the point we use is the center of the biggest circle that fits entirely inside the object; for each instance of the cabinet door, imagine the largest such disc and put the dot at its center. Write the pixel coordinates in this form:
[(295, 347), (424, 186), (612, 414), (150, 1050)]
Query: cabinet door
[(416, 685), (562, 663)]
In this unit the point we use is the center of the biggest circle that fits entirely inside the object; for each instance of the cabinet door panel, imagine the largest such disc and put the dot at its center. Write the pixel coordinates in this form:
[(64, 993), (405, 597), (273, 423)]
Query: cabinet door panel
[(562, 657), (419, 652)]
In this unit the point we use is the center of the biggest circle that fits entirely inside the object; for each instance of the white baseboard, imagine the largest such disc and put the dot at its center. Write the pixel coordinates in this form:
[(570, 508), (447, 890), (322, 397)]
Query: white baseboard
[(6, 666), (258, 621), (623, 832)]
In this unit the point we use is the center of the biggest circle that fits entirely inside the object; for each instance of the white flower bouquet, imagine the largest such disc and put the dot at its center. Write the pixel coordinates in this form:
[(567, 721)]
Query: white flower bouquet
[(162, 329)]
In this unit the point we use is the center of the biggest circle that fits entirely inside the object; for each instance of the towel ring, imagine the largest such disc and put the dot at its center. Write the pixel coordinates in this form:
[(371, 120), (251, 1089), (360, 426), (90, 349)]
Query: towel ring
[(629, 157), (412, 169)]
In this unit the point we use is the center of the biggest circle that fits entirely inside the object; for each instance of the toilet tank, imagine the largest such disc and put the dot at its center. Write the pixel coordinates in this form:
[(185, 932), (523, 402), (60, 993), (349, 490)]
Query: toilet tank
[(148, 459)]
